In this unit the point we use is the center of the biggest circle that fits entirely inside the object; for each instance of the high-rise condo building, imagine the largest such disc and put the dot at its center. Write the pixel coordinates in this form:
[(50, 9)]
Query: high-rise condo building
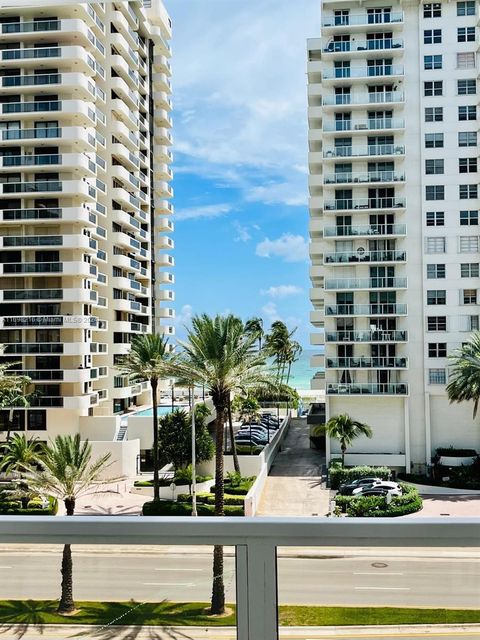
[(84, 213), (394, 225)]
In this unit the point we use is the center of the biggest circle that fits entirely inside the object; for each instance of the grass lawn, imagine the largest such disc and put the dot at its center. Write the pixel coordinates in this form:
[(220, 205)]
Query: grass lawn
[(38, 612)]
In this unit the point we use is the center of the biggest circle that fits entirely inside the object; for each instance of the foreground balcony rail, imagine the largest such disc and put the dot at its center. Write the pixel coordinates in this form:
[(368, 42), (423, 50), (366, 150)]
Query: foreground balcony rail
[(259, 546), (363, 72), (363, 98), (382, 17), (370, 150), (368, 388), (365, 230), (369, 176), (363, 45), (363, 362), (31, 27), (363, 125), (383, 282), (366, 336), (380, 309), (364, 203), (365, 256)]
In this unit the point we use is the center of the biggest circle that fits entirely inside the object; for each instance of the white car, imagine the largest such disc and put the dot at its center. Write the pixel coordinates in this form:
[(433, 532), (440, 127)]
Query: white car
[(393, 488)]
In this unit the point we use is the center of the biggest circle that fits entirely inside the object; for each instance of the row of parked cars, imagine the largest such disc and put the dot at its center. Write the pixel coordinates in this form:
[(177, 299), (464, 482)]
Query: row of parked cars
[(370, 487), (259, 432)]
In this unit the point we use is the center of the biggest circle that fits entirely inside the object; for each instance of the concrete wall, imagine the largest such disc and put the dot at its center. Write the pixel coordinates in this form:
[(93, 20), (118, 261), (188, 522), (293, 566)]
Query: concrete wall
[(99, 427), (123, 457), (453, 425)]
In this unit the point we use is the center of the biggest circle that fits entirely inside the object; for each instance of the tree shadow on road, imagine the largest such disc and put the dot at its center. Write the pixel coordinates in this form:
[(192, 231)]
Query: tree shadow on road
[(18, 617)]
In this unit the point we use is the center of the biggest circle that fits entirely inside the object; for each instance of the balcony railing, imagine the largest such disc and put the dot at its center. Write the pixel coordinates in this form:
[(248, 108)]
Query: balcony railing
[(32, 160), (380, 309), (364, 203), (366, 389), (33, 294), (366, 336), (371, 124), (369, 176), (25, 134), (362, 72), (34, 348), (366, 283), (32, 241), (367, 363), (363, 45), (365, 256), (35, 80), (47, 401), (31, 27), (364, 98), (32, 187), (370, 150), (28, 54), (31, 214), (385, 17), (365, 230), (42, 374), (32, 107), (32, 267)]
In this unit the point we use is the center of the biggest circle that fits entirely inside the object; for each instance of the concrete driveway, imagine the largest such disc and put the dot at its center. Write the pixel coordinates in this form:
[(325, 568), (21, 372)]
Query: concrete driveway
[(455, 506)]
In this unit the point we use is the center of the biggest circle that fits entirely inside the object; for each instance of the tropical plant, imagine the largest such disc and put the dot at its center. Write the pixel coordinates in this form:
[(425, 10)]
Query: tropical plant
[(147, 360), (464, 378), (65, 471), (218, 354), (283, 350), (254, 327), (19, 452), (175, 439), (14, 390), (344, 429)]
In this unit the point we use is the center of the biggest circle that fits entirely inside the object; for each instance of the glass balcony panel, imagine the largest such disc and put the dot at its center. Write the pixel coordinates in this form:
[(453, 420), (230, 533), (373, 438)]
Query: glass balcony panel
[(25, 54), (32, 107), (39, 132), (365, 230), (354, 388), (31, 27), (39, 79), (380, 309)]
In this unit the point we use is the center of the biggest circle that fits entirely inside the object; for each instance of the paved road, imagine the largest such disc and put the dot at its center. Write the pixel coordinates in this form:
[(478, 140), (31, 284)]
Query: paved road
[(296, 477), (415, 581)]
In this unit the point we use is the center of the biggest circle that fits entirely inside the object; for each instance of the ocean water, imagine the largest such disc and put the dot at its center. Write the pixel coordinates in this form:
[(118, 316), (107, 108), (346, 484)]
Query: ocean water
[(302, 372)]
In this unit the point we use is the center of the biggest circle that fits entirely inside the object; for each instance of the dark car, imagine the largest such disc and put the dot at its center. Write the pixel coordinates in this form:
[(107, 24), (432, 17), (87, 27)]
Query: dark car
[(348, 488)]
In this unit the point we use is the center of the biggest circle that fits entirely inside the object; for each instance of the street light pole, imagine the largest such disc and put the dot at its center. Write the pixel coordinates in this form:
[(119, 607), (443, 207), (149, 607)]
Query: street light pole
[(194, 456)]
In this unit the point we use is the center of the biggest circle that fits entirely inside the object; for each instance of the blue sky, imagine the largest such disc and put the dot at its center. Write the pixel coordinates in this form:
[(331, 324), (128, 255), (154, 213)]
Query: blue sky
[(240, 145)]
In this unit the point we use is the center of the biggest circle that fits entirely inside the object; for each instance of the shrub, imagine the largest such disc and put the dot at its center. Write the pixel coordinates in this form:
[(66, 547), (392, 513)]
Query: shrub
[(453, 452), (376, 507), (171, 508), (15, 509), (209, 498), (339, 475)]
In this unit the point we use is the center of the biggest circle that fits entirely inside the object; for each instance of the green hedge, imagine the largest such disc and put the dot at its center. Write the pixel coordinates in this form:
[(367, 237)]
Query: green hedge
[(236, 489), (167, 483), (339, 475), (14, 509), (171, 508), (375, 507), (209, 498)]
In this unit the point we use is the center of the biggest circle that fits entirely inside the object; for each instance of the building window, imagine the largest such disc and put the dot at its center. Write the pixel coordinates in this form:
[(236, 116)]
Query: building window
[(433, 114), (437, 349), (469, 296), (433, 88), (435, 271), (474, 323), (341, 17), (436, 296), (435, 192), (466, 60), (432, 36), (437, 376), (466, 8), (436, 323), (466, 87), (432, 10), (469, 270), (434, 166), (468, 191), (469, 218), (37, 420), (466, 34), (467, 139), (433, 140), (435, 218), (468, 244), (432, 62), (467, 165), (435, 245), (467, 112)]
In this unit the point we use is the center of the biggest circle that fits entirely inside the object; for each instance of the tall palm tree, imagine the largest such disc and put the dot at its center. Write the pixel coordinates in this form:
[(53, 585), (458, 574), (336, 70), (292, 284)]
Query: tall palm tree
[(218, 354), (464, 379), (254, 326), (279, 345), (147, 360), (344, 429), (65, 471), (294, 352), (20, 452), (13, 390)]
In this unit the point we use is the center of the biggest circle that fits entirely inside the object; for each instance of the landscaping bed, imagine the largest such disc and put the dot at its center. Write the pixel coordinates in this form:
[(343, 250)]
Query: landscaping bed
[(168, 481), (34, 508), (171, 508), (339, 475), (376, 506)]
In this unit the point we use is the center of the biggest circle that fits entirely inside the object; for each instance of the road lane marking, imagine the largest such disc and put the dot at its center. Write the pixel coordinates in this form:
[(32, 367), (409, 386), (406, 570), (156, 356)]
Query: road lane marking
[(6, 567), (169, 584), (386, 588), (376, 573)]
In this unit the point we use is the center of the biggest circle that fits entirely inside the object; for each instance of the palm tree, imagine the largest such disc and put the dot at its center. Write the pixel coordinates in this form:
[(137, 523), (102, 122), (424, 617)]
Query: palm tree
[(346, 430), (294, 352), (218, 354), (65, 471), (281, 347), (13, 390), (20, 452), (254, 326), (464, 379), (147, 359)]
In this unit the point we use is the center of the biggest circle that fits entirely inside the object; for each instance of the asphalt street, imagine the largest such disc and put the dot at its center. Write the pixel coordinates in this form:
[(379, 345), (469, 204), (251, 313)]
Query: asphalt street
[(398, 581)]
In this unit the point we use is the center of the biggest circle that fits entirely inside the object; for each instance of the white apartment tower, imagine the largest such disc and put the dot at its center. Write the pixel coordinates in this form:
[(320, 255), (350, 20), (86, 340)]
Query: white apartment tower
[(84, 211), (394, 219)]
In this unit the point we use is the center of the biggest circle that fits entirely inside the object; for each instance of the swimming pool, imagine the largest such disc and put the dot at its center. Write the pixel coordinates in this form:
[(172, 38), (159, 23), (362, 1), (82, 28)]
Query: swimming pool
[(148, 413)]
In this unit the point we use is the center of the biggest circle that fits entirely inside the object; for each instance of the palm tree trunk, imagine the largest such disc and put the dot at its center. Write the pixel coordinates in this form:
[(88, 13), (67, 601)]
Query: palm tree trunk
[(343, 448), (156, 484), (236, 463), (218, 587), (66, 604)]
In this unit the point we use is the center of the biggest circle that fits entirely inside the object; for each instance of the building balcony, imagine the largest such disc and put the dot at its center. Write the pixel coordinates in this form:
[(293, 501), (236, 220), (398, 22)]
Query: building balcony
[(79, 162), (31, 31), (54, 188), (366, 231), (360, 255), (376, 177), (163, 277), (83, 139), (67, 241), (382, 20), (366, 336), (163, 189), (349, 74), (164, 242), (363, 362), (57, 375), (380, 309), (365, 151), (41, 295), (164, 207), (391, 45), (346, 284), (78, 82), (164, 225), (359, 99), (66, 322), (125, 156), (80, 402), (164, 260), (165, 312), (359, 126), (82, 111), (74, 268), (364, 204), (56, 55), (163, 136), (376, 389)]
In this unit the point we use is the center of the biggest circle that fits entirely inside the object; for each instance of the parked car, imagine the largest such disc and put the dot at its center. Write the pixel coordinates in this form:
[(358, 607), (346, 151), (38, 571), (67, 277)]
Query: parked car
[(245, 443), (348, 488), (393, 488), (254, 427), (255, 438)]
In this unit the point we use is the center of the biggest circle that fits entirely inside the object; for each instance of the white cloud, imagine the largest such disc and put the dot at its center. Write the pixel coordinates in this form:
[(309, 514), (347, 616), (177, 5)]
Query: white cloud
[(184, 317), (282, 291), (270, 312), (288, 247), (242, 233), (203, 211)]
